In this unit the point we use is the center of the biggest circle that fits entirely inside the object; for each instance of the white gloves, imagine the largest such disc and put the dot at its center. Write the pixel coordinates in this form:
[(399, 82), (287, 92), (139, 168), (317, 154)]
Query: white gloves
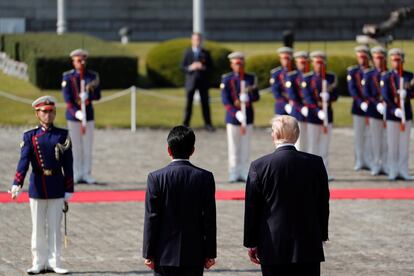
[(288, 108), (79, 115), (321, 115), (84, 96), (305, 111), (68, 196), (15, 191), (244, 98), (325, 96), (380, 108), (364, 106), (398, 113), (403, 93), (240, 116)]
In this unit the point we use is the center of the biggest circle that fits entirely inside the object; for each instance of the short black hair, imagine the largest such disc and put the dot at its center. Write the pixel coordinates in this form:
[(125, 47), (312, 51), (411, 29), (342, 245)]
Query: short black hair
[(181, 140)]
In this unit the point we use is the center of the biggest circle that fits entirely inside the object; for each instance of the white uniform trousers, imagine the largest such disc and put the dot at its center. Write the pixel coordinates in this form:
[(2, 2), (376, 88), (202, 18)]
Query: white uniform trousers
[(302, 142), (81, 148), (362, 146), (46, 232), (398, 143), (318, 142), (238, 151), (379, 146)]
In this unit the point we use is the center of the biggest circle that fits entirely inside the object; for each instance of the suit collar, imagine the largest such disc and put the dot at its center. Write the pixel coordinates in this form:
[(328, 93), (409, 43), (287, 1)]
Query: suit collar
[(179, 162), (287, 147)]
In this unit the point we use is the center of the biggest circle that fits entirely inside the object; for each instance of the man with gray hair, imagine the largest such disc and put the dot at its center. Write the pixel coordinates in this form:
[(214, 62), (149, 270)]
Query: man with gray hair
[(287, 206)]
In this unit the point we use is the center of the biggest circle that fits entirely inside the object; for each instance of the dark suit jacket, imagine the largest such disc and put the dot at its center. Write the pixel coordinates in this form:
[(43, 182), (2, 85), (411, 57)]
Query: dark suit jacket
[(180, 215), (196, 78), (287, 207)]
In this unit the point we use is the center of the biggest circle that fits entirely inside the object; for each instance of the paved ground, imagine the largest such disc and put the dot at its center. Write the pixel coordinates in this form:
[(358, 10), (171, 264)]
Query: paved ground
[(368, 237)]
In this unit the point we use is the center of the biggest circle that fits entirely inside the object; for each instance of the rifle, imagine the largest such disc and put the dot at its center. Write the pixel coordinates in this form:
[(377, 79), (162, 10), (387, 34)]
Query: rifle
[(402, 99), (65, 210), (83, 103), (243, 105), (324, 102)]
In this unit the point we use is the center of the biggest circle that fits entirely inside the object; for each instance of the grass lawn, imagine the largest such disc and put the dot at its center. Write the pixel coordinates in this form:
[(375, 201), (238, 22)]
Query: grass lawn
[(164, 108)]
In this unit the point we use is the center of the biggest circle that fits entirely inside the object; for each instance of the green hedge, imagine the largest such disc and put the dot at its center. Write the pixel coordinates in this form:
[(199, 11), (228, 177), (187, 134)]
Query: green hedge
[(164, 62), (261, 65), (47, 56)]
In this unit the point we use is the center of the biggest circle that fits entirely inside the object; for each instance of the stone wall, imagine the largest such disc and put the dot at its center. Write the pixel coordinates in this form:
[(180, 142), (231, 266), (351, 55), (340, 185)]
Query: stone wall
[(225, 20)]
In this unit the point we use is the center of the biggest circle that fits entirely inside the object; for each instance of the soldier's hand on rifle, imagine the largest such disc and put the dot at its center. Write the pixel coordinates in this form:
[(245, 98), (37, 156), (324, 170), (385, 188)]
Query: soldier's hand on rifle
[(364, 106), (15, 191), (68, 196), (288, 108), (402, 93), (240, 116), (79, 115), (305, 111), (380, 108), (321, 115), (398, 113), (325, 96), (84, 96), (244, 98)]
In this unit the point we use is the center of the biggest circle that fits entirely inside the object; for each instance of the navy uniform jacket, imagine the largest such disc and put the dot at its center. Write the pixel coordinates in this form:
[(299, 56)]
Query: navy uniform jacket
[(372, 92), (50, 154), (277, 81), (230, 92), (180, 216), (311, 89), (198, 78), (355, 88), (390, 83), (293, 85), (287, 207), (71, 92)]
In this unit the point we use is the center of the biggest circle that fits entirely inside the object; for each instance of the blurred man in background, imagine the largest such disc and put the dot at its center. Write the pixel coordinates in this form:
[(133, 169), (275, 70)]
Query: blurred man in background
[(197, 65)]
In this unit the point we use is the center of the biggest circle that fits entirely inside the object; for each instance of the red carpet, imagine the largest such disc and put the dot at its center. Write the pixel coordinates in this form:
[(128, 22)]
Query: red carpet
[(124, 196)]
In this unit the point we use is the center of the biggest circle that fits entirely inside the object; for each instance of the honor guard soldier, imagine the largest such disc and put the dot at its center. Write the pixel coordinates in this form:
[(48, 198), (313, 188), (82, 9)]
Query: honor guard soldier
[(278, 79), (375, 111), (238, 92), (296, 106), (80, 87), (319, 91), (362, 146), (397, 87), (48, 150)]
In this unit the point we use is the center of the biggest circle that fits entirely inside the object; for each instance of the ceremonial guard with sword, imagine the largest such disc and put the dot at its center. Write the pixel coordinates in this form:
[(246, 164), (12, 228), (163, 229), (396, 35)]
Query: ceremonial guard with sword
[(48, 149), (278, 78), (238, 92), (397, 87), (375, 110), (362, 144), (296, 104), (319, 91), (80, 87)]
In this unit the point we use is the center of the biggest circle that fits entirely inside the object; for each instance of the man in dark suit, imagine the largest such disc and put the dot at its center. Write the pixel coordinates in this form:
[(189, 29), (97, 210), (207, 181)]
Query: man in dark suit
[(180, 213), (196, 65), (287, 207)]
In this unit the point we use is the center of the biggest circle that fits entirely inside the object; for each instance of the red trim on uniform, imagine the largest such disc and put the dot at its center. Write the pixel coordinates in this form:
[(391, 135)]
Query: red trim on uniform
[(38, 160)]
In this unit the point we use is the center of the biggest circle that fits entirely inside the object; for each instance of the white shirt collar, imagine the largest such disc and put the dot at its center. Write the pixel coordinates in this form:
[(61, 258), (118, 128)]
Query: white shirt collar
[(178, 159), (284, 145)]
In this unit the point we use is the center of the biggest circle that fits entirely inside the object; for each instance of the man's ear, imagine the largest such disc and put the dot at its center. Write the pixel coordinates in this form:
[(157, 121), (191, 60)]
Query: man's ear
[(192, 151), (169, 151)]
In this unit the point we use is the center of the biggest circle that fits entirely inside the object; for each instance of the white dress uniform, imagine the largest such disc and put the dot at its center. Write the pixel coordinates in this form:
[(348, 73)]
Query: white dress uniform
[(239, 124), (399, 116), (81, 135)]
